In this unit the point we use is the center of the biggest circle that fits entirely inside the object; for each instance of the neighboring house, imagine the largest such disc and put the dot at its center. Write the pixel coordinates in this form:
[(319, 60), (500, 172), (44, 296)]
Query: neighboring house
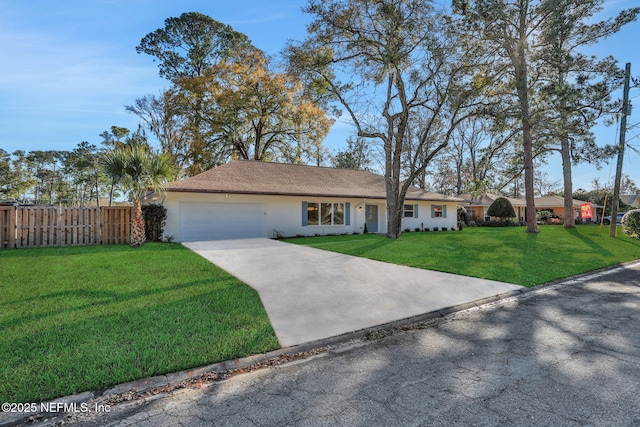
[(244, 199), (477, 206), (555, 204)]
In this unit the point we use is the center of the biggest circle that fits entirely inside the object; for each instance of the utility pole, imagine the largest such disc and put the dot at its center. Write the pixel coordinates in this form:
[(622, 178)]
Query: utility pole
[(623, 132)]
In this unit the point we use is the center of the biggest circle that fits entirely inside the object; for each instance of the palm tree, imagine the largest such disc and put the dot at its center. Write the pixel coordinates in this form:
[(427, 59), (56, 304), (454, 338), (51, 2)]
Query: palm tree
[(137, 169), (113, 166)]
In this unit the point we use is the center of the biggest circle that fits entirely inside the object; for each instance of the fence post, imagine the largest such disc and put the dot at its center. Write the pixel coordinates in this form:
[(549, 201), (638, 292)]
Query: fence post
[(18, 234), (7, 227), (13, 227), (100, 225)]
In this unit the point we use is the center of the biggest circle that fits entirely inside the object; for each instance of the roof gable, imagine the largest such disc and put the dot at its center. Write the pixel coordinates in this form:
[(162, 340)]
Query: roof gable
[(254, 177), (488, 199)]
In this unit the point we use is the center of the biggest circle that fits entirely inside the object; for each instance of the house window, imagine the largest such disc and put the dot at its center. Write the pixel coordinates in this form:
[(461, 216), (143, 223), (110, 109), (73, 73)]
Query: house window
[(438, 211), (408, 211), (325, 213), (338, 214), (312, 213)]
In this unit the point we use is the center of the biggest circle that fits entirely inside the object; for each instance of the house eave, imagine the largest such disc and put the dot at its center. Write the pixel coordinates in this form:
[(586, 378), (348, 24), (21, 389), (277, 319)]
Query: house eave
[(302, 194)]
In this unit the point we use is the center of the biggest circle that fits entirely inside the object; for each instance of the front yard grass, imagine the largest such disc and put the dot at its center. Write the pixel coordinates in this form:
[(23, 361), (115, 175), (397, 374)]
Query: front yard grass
[(504, 254), (84, 318)]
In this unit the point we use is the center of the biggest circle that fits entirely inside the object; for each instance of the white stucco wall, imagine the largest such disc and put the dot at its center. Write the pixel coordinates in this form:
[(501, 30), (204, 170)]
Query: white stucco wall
[(426, 220), (284, 213)]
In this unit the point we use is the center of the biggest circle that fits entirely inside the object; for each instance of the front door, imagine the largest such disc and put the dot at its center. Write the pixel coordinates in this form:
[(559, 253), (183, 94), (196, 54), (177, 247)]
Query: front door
[(372, 218)]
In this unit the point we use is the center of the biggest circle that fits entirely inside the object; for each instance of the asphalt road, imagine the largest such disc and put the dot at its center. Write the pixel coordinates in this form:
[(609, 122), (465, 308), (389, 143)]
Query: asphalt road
[(565, 356)]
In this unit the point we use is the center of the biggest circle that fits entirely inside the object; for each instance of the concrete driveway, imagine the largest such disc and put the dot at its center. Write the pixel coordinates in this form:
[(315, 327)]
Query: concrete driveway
[(311, 294)]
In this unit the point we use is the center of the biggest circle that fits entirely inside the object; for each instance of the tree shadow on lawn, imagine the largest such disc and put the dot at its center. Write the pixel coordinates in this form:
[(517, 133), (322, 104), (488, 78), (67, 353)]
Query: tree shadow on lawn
[(530, 252), (360, 246), (562, 258), (126, 345), (591, 243), (365, 249), (95, 298), (635, 242), (65, 251)]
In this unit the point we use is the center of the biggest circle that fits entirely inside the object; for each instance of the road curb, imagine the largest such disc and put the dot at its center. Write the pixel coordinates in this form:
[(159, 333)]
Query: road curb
[(160, 384)]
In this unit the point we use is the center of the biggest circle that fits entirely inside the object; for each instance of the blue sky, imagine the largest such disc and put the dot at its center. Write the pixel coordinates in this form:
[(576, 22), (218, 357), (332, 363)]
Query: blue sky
[(68, 67)]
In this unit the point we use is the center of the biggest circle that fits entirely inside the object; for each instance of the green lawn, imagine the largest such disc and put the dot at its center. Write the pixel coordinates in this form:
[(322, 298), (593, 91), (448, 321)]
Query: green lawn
[(504, 254), (84, 318)]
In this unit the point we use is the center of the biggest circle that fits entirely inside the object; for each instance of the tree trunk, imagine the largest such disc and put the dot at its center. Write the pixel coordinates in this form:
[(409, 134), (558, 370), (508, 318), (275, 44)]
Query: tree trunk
[(137, 226), (394, 218), (522, 87), (569, 220), (532, 225), (97, 192)]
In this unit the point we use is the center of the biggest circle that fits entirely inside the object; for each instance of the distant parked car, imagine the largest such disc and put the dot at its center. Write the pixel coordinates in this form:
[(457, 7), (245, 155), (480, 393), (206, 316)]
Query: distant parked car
[(607, 219)]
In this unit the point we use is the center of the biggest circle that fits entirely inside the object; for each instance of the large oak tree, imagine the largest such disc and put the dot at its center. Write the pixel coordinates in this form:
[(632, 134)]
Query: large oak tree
[(253, 111), (227, 99), (407, 79)]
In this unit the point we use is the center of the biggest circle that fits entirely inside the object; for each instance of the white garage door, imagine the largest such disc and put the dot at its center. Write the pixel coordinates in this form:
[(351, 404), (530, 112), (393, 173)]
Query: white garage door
[(218, 221)]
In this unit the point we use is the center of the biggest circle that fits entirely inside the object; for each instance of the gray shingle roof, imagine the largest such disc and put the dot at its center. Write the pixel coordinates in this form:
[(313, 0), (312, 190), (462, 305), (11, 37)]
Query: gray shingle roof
[(555, 201), (488, 199), (631, 199), (252, 177)]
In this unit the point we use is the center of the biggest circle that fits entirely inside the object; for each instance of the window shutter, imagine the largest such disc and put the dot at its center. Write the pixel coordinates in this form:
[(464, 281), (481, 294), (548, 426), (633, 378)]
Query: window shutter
[(444, 211), (415, 211), (433, 212), (347, 214), (305, 216)]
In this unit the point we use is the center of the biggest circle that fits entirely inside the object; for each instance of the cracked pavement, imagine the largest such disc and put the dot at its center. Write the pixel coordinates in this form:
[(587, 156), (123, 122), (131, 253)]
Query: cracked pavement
[(568, 355)]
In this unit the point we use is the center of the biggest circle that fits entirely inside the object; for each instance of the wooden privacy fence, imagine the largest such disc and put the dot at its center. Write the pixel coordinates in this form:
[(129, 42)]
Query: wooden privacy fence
[(40, 226)]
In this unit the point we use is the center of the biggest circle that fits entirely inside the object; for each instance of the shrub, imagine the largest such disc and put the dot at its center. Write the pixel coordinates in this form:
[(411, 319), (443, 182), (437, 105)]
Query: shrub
[(155, 218), (472, 224), (543, 215), (501, 208), (631, 223), (435, 229), (445, 229), (407, 229), (417, 229), (500, 223), (462, 214)]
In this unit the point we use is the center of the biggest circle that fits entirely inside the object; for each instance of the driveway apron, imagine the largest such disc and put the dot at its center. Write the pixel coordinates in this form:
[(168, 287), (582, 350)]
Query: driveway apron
[(311, 294)]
